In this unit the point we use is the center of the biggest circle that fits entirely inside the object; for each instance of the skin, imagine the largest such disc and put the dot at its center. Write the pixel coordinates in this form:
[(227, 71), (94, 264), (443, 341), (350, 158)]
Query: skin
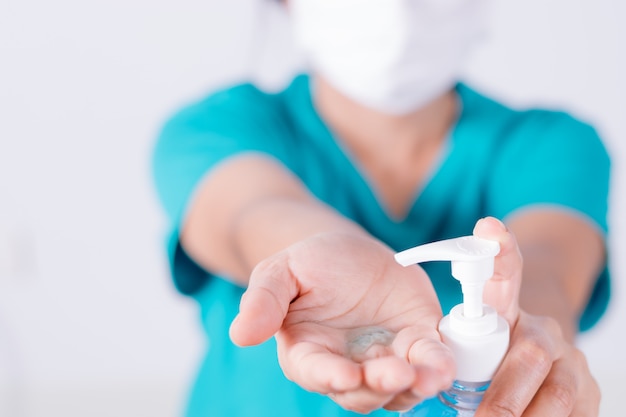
[(271, 235)]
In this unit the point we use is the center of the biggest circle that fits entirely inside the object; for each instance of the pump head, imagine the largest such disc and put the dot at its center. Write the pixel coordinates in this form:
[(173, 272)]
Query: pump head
[(477, 336), (472, 260)]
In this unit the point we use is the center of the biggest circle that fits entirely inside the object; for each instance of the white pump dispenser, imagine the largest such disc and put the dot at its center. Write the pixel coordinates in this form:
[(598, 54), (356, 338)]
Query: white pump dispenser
[(477, 336)]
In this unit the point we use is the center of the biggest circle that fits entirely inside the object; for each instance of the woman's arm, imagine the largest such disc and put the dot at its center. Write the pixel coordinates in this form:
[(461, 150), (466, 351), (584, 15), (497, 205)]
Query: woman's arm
[(318, 283), (563, 257), (248, 208), (543, 373), (319, 276)]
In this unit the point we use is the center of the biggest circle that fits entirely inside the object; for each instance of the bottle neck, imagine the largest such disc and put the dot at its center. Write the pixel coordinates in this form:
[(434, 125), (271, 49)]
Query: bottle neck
[(464, 396)]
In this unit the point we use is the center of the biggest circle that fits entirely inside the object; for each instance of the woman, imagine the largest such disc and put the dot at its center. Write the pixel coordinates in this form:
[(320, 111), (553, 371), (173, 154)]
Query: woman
[(299, 198)]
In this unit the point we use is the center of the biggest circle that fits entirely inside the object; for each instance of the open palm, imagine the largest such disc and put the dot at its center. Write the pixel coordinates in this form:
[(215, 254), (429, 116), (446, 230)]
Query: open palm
[(349, 322)]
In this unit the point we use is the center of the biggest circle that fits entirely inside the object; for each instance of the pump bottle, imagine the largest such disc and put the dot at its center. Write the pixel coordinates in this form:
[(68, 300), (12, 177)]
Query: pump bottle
[(476, 335)]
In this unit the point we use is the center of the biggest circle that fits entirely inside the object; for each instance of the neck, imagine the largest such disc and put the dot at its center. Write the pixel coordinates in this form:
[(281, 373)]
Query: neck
[(366, 128), (394, 153)]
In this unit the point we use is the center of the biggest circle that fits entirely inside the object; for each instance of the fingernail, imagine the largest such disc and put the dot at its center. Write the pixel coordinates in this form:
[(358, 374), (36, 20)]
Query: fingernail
[(488, 225)]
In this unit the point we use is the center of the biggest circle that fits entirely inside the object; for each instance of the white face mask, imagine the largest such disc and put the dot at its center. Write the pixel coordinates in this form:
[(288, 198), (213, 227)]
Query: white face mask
[(394, 56)]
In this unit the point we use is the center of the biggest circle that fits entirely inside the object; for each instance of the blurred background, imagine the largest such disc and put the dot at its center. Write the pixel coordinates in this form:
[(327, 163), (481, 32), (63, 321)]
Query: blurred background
[(90, 324)]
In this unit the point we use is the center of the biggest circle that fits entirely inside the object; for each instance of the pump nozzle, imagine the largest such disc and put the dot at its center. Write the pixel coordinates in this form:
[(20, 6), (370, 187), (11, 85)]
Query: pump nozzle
[(477, 336), (472, 260)]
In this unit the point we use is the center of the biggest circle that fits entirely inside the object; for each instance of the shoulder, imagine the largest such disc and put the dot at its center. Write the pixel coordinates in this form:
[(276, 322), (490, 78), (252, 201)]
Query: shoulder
[(560, 136), (224, 105), (552, 130), (244, 111), (478, 105)]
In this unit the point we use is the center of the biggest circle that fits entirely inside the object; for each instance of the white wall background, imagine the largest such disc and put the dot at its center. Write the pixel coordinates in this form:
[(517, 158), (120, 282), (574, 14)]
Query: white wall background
[(89, 322)]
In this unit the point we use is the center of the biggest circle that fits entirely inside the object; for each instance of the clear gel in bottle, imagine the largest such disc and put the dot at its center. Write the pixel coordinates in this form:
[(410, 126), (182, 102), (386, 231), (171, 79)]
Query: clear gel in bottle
[(474, 332)]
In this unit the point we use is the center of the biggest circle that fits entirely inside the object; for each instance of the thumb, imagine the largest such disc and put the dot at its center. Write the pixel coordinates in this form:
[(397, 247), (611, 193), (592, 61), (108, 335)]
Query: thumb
[(265, 303), (502, 290)]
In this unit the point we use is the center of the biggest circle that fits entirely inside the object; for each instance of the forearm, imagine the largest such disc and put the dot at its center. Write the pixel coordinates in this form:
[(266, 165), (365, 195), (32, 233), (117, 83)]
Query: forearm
[(262, 209), (563, 255), (543, 293), (274, 223)]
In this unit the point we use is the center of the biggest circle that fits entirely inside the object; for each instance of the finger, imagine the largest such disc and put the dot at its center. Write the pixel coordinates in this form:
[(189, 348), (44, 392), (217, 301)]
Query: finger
[(362, 400), (557, 395), (522, 372), (569, 390), (388, 374), (502, 290), (589, 396), (265, 303), (588, 402), (403, 401), (433, 361), (315, 368), (385, 379), (409, 398)]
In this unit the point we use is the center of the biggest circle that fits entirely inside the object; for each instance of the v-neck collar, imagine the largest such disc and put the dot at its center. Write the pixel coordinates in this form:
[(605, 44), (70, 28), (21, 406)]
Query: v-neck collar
[(314, 123)]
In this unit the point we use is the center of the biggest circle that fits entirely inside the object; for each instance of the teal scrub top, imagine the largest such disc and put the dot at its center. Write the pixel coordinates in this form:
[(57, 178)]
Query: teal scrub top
[(496, 162)]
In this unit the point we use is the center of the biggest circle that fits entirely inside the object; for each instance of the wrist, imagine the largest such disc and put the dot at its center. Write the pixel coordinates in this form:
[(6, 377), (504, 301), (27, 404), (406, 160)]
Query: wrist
[(273, 224)]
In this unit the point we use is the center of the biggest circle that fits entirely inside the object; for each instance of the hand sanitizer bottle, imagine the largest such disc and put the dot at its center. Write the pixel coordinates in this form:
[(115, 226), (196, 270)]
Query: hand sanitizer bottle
[(477, 336)]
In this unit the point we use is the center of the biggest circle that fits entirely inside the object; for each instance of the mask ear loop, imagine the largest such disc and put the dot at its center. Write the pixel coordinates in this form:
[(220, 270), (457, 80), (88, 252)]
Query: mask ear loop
[(268, 16), (257, 42)]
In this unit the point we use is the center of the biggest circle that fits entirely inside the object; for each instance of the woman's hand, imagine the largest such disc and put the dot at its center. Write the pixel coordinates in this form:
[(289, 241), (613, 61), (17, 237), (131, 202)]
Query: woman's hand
[(542, 374), (349, 322)]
